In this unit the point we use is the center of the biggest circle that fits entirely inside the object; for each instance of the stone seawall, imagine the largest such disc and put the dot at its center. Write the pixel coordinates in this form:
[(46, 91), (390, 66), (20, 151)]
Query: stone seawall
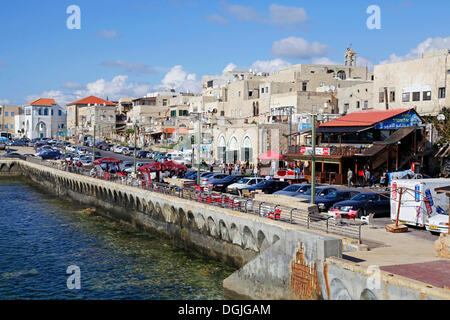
[(275, 260)]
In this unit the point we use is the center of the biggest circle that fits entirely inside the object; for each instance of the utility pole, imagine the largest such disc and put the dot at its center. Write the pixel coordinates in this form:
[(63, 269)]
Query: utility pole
[(65, 142), (93, 147), (313, 160), (198, 147), (135, 139)]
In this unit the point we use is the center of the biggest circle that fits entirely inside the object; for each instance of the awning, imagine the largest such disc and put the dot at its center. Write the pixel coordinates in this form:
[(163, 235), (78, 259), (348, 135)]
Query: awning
[(397, 136), (342, 129), (373, 150)]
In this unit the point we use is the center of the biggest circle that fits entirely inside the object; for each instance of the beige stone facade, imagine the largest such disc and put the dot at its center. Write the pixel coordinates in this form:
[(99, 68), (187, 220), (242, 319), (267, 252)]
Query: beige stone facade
[(421, 84), (7, 120)]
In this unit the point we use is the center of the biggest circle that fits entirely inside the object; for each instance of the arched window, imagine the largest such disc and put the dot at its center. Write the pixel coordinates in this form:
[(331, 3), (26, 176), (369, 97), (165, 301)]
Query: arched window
[(221, 149), (247, 150), (45, 112), (233, 153), (341, 75)]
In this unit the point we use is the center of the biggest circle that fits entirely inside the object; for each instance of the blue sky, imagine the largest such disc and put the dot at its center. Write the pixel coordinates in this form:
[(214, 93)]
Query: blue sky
[(129, 48)]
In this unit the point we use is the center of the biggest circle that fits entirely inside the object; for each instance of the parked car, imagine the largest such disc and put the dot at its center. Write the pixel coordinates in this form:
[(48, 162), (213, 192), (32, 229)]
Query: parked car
[(13, 155), (181, 160), (50, 155), (320, 192), (2, 145), (205, 180), (365, 203), (220, 185), (17, 143), (141, 154), (243, 183), (138, 165), (294, 190), (326, 202), (268, 186)]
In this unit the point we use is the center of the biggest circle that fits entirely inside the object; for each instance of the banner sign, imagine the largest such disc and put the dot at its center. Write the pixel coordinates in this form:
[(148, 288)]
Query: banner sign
[(319, 151), (407, 119)]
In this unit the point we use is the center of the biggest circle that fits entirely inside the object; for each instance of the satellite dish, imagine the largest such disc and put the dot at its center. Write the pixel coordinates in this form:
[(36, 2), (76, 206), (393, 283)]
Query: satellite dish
[(441, 117)]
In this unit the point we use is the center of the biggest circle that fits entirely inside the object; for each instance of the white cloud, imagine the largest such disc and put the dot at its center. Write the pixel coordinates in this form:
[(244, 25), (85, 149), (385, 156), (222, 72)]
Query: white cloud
[(269, 66), (324, 60), (416, 53), (287, 15), (230, 67), (4, 101), (242, 13), (294, 47), (363, 62), (108, 34), (215, 18), (180, 80), (137, 68)]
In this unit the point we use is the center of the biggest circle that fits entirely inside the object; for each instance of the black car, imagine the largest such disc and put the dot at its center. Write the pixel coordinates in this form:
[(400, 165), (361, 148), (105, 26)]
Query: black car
[(366, 203), (268, 186), (326, 202), (13, 156), (220, 185), (141, 154), (50, 155)]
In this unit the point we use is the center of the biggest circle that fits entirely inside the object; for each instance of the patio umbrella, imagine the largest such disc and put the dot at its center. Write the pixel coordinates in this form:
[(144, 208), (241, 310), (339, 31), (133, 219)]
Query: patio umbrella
[(154, 166), (271, 155), (171, 165)]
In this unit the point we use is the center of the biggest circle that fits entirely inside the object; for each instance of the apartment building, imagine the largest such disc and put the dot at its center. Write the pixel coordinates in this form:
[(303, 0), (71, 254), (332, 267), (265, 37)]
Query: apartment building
[(421, 84), (7, 118)]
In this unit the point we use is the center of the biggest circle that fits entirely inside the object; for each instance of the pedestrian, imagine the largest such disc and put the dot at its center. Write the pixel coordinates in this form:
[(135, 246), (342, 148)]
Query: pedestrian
[(229, 169), (350, 177), (211, 168), (236, 168)]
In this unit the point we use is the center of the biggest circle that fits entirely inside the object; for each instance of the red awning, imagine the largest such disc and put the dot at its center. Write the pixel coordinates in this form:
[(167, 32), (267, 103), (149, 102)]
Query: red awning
[(154, 166), (271, 155), (172, 165)]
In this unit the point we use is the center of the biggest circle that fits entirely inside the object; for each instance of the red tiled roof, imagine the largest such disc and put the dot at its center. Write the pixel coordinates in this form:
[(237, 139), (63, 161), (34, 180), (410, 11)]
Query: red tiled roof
[(363, 118), (42, 102), (92, 100)]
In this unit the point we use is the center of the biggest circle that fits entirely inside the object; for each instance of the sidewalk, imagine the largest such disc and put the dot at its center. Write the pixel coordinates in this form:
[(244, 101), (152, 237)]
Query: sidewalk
[(387, 249)]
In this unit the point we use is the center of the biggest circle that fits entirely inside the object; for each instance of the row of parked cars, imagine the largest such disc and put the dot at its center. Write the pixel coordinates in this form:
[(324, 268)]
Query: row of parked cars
[(327, 198)]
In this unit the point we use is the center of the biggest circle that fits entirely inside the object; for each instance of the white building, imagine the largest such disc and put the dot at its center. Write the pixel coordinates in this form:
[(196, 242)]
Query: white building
[(42, 118)]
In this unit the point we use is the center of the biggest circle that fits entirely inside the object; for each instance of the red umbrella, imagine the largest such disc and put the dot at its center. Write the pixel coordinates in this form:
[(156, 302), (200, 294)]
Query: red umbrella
[(107, 160), (271, 155), (171, 165)]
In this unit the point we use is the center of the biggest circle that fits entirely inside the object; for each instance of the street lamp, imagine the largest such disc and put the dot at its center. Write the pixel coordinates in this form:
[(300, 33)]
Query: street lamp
[(198, 144), (314, 117)]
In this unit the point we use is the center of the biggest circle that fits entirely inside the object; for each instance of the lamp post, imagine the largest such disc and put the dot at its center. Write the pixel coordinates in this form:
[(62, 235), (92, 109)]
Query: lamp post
[(135, 145), (313, 160), (93, 146), (199, 135)]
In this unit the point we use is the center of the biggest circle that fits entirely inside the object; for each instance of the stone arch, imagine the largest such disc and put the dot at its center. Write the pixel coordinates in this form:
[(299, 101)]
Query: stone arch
[(150, 207), (235, 236), (248, 240), (115, 198), (139, 205), (338, 291), (110, 195), (368, 295), (233, 147), (131, 202), (181, 217), (223, 231), (213, 231), (158, 211), (200, 221), (262, 243), (275, 238), (191, 220)]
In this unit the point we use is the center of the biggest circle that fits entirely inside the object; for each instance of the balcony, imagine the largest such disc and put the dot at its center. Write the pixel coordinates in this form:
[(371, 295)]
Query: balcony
[(344, 151)]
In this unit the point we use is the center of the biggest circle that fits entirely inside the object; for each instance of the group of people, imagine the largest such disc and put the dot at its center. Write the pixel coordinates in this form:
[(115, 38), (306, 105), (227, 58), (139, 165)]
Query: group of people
[(236, 168), (366, 178)]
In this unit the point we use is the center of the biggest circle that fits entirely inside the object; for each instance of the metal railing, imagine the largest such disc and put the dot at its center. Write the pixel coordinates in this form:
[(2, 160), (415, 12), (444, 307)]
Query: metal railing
[(294, 216)]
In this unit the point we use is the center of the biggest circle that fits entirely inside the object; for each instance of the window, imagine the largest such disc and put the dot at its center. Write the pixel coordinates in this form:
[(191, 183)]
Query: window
[(52, 113), (304, 86), (173, 113), (416, 96), (45, 112), (6, 113), (40, 112), (381, 97), (426, 95), (12, 114), (441, 93), (392, 96), (6, 126), (267, 89), (11, 126), (59, 113), (250, 93), (165, 102), (357, 104), (210, 84), (366, 104), (262, 90), (406, 96), (239, 94)]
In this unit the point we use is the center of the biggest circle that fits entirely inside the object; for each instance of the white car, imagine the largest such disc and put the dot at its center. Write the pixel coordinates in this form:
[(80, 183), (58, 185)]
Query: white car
[(138, 165), (243, 183), (438, 223), (70, 148), (181, 160), (118, 149)]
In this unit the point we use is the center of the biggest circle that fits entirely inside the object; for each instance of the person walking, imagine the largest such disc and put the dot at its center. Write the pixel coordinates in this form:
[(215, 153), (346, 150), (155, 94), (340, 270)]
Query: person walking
[(236, 168), (350, 177)]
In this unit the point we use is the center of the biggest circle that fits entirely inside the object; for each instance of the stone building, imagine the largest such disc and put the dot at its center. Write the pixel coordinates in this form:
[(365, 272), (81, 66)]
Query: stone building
[(89, 114), (7, 118), (421, 84)]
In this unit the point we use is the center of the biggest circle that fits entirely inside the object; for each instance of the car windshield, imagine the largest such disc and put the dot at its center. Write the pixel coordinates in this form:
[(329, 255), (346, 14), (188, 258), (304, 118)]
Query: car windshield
[(332, 195), (292, 188), (243, 180), (318, 191), (228, 178), (264, 183), (360, 197)]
